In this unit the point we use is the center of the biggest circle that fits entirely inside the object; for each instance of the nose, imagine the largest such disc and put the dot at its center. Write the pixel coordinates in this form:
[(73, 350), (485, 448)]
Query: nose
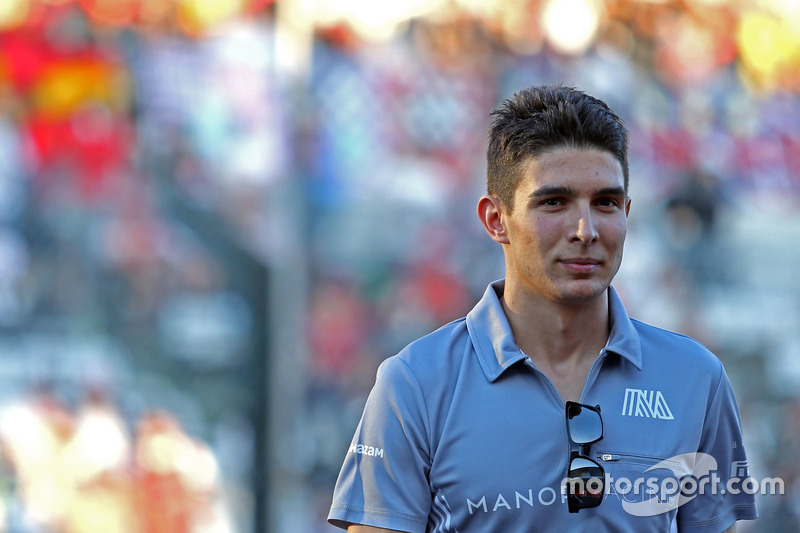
[(585, 226)]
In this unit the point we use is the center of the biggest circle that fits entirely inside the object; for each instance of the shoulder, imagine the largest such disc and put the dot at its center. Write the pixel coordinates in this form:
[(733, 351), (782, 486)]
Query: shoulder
[(677, 351), (427, 361), (436, 349)]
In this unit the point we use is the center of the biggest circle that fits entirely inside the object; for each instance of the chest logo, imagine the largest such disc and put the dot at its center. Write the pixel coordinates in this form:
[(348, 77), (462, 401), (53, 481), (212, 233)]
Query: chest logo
[(647, 404)]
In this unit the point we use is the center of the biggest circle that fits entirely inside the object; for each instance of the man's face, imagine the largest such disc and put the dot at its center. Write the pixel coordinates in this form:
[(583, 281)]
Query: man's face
[(566, 232)]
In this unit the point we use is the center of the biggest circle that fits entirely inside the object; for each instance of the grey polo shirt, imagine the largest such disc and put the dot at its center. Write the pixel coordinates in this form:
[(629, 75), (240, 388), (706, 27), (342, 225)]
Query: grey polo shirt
[(462, 433)]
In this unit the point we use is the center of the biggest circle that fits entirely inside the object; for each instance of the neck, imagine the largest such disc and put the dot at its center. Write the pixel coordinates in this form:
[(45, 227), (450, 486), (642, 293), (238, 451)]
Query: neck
[(553, 333)]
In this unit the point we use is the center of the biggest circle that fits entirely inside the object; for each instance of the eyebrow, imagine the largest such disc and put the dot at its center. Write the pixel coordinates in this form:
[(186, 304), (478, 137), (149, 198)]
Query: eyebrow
[(611, 191), (561, 190), (552, 190)]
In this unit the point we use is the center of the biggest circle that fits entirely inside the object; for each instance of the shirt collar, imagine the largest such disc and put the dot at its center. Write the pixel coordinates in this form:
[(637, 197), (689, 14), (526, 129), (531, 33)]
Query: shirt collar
[(496, 349)]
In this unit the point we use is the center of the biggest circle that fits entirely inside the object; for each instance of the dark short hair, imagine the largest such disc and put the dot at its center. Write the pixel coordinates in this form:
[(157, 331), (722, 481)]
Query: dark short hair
[(539, 119)]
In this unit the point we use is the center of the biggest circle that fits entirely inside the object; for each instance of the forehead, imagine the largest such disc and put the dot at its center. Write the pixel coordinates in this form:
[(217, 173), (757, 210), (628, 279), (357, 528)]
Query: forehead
[(578, 168)]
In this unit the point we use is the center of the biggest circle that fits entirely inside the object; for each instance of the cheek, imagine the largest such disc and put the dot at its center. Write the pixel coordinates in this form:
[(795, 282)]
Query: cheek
[(545, 231), (615, 237), (616, 230), (526, 233)]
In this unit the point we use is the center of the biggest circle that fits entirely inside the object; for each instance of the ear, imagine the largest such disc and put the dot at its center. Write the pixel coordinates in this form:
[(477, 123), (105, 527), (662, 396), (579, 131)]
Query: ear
[(490, 213), (627, 206)]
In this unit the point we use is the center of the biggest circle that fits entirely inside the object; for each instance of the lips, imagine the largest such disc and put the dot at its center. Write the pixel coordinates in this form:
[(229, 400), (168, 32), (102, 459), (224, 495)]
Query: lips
[(581, 261), (581, 265)]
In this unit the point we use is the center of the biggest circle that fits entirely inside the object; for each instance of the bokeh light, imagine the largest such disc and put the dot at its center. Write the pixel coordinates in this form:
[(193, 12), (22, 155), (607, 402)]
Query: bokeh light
[(371, 20), (113, 12), (770, 46), (13, 13), (571, 25), (197, 17)]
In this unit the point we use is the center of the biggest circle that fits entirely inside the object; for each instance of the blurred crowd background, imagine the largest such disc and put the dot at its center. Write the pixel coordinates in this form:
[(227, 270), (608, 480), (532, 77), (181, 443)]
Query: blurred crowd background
[(217, 217)]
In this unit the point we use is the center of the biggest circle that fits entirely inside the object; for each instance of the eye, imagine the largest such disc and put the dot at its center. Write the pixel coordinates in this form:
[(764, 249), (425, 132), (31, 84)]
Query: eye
[(552, 202), (608, 202)]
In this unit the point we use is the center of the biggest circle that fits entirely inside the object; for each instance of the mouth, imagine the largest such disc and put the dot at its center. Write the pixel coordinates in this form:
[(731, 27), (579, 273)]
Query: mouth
[(581, 265)]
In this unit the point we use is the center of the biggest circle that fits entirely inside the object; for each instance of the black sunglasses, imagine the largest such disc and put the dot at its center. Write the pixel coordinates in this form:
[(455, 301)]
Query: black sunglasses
[(586, 479)]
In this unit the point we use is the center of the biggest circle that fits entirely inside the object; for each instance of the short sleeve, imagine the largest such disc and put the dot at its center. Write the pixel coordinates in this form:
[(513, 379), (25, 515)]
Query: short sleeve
[(728, 497), (384, 479)]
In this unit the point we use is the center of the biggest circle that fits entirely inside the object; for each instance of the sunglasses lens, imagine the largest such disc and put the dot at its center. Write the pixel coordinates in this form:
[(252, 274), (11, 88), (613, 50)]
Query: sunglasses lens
[(581, 467), (585, 425), (586, 484)]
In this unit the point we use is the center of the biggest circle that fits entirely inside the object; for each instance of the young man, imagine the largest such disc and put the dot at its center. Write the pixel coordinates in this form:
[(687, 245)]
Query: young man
[(546, 408)]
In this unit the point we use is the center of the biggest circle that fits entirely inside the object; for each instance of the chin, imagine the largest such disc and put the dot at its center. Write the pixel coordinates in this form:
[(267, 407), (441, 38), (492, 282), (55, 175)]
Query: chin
[(583, 293)]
